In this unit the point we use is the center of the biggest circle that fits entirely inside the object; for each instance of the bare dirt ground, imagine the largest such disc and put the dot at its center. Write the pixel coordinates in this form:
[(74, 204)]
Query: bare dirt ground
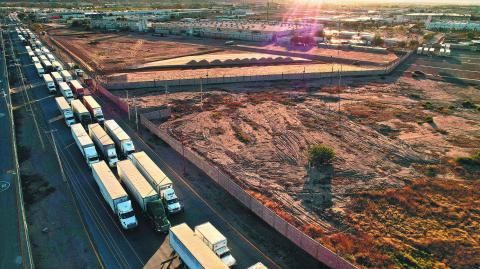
[(118, 51), (395, 195), (340, 54)]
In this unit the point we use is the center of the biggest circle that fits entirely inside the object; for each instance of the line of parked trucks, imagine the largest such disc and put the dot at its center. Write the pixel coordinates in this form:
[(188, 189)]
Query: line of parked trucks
[(150, 187)]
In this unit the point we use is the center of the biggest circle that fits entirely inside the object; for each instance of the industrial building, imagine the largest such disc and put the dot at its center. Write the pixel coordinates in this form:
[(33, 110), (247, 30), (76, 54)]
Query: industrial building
[(233, 29), (453, 26)]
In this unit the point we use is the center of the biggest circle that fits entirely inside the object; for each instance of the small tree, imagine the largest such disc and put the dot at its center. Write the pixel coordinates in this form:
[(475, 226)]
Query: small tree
[(320, 154)]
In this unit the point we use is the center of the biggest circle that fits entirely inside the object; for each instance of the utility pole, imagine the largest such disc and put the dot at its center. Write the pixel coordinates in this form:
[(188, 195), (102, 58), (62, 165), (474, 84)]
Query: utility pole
[(166, 94)]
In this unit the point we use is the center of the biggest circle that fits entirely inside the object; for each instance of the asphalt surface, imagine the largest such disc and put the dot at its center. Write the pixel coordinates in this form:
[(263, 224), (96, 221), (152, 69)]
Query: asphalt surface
[(461, 67), (134, 249), (14, 250)]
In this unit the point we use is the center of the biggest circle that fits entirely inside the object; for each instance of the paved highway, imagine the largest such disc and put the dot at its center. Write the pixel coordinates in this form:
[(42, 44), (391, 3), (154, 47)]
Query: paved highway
[(142, 247), (15, 250), (461, 67)]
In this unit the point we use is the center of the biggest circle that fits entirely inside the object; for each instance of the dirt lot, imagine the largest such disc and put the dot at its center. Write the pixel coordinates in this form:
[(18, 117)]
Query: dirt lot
[(396, 193), (118, 51), (340, 54)]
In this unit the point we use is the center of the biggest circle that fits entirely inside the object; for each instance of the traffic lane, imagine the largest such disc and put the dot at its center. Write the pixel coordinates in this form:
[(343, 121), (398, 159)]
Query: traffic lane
[(222, 210), (10, 254), (111, 243), (433, 69), (130, 244)]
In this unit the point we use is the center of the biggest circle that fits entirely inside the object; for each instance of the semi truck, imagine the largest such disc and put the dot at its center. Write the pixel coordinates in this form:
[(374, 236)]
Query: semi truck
[(146, 197), (47, 65), (40, 70), (35, 60), (191, 250), (215, 241), (66, 91), (123, 142), (94, 108), (56, 77), (114, 194), (57, 66), (84, 143), (158, 180), (50, 83), (81, 113), (77, 88), (50, 57), (66, 76), (104, 143), (66, 110)]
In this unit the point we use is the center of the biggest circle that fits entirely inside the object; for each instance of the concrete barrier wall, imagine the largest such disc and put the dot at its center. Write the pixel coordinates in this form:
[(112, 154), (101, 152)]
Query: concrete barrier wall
[(299, 238), (236, 79)]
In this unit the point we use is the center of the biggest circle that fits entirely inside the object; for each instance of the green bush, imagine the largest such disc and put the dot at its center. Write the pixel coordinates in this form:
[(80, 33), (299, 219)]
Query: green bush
[(468, 104), (473, 159), (320, 154)]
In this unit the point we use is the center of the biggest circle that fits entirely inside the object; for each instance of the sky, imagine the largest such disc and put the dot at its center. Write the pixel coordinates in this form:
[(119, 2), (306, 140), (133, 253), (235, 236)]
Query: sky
[(419, 2)]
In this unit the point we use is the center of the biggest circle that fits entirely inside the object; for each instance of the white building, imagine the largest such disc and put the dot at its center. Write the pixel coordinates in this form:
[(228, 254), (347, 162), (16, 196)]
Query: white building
[(233, 29), (114, 23)]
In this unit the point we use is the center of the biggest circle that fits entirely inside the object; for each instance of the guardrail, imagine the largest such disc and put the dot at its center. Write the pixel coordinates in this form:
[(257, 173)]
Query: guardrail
[(299, 238)]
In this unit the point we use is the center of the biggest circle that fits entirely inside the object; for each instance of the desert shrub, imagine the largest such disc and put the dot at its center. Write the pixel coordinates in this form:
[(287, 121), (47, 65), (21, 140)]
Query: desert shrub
[(429, 119), (313, 230), (428, 105), (468, 104), (320, 154), (473, 159)]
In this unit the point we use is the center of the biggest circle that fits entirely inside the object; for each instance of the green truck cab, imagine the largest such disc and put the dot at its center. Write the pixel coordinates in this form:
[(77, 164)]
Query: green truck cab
[(158, 217)]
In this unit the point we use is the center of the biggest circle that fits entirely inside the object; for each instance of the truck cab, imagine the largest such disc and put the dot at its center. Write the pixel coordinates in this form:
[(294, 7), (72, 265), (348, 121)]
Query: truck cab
[(156, 213), (170, 200), (126, 216)]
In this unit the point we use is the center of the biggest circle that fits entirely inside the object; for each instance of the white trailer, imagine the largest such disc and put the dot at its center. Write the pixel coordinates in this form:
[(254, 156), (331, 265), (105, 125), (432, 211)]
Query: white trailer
[(40, 70), (66, 110), (31, 54), (35, 60), (50, 83), (158, 180), (57, 66), (136, 184), (84, 143), (56, 77), (66, 76), (81, 113), (191, 250), (114, 194), (50, 57), (215, 241), (43, 58), (94, 108), (122, 140), (419, 50), (104, 143), (66, 91)]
